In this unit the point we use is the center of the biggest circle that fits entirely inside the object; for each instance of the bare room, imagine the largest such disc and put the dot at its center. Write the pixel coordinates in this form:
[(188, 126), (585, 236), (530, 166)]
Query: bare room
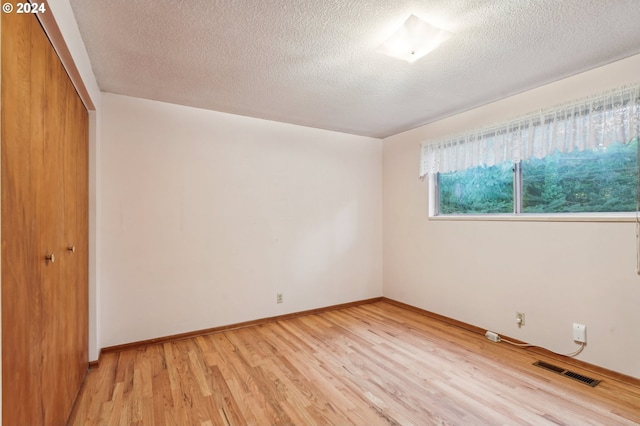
[(294, 212)]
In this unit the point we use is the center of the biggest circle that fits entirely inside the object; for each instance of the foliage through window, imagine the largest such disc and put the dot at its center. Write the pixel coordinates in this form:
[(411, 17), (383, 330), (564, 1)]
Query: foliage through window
[(476, 191), (604, 179)]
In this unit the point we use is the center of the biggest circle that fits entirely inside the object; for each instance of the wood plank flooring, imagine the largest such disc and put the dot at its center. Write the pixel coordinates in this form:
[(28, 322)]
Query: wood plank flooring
[(374, 364)]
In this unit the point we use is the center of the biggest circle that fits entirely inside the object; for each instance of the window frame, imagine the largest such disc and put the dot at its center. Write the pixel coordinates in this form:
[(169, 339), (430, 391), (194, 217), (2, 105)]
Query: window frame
[(517, 215)]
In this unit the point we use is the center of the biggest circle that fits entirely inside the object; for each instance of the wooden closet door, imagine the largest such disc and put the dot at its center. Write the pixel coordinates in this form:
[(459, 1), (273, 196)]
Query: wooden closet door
[(44, 303), (76, 245), (21, 257), (51, 221)]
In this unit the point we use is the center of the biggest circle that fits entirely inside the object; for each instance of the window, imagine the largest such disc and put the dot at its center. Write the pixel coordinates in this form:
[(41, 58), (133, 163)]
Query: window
[(479, 190), (576, 158), (600, 180)]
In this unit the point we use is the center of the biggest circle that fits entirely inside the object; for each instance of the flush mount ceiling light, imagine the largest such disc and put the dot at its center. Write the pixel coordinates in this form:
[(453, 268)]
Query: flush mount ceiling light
[(413, 40)]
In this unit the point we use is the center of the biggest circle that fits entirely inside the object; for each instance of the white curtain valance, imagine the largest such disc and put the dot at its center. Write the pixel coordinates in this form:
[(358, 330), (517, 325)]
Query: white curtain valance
[(590, 123)]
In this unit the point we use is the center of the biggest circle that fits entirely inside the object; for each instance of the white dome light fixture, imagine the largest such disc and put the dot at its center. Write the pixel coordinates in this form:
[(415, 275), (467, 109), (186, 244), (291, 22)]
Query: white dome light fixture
[(414, 39)]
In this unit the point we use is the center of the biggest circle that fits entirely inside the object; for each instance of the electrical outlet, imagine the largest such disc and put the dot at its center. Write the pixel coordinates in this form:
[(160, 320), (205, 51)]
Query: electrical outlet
[(579, 333), (279, 298), (520, 318)]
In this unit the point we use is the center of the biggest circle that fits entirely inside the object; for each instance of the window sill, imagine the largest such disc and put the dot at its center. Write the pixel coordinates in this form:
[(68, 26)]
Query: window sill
[(536, 217)]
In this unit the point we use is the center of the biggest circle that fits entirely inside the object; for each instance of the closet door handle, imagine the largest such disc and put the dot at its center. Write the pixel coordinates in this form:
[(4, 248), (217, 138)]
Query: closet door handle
[(72, 249), (50, 257)]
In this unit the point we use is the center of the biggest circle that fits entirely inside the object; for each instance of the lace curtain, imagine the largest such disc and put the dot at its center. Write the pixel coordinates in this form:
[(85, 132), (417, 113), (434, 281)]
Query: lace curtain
[(590, 123)]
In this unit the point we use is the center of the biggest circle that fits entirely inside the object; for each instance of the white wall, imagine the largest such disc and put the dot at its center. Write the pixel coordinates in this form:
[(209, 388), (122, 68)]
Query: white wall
[(482, 272), (206, 216)]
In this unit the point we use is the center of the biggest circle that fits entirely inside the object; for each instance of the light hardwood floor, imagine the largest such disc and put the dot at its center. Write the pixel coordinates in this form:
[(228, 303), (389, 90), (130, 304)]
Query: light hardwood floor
[(372, 364)]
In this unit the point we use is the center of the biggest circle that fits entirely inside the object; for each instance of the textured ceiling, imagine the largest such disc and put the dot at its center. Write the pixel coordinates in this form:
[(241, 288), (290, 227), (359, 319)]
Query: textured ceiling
[(314, 62)]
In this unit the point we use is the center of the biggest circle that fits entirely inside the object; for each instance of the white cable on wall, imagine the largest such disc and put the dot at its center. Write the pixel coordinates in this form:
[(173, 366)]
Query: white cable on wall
[(495, 337), (638, 213), (526, 345), (637, 244)]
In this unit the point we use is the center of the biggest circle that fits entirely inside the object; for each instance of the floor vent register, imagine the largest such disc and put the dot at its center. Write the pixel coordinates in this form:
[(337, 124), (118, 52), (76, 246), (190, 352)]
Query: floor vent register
[(567, 373)]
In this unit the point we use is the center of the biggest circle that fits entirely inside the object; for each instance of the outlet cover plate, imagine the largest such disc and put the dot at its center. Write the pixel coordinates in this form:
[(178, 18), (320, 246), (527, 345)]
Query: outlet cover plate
[(579, 332)]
